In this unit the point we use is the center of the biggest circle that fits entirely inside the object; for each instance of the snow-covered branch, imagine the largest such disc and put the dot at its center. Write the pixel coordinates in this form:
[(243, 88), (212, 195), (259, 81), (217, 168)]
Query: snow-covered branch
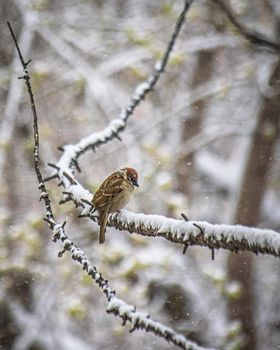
[(188, 233), (142, 321), (71, 153), (116, 306), (231, 237), (128, 313)]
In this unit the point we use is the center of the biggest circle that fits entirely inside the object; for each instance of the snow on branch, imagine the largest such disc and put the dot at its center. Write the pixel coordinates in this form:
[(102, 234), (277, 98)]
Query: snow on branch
[(143, 321), (116, 306), (231, 237), (71, 153), (188, 233), (234, 238)]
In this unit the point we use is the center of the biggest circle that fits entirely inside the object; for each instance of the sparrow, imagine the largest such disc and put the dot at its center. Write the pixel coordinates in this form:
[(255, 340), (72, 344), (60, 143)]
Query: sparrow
[(112, 195)]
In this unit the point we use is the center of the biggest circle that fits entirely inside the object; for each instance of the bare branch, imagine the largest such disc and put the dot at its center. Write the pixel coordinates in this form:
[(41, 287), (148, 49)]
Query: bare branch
[(11, 110), (253, 37), (26, 77)]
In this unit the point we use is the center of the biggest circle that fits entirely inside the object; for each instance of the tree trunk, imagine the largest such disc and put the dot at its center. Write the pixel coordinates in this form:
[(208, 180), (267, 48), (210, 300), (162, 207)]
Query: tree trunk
[(191, 126), (240, 267)]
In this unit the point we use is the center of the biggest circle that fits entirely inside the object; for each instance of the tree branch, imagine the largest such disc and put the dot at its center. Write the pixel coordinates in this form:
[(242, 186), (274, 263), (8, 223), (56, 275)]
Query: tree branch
[(26, 78), (71, 153), (231, 237), (128, 313), (253, 37), (139, 321), (188, 233)]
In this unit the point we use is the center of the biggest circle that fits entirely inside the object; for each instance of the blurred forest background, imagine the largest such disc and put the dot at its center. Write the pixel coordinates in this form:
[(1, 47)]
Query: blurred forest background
[(205, 143)]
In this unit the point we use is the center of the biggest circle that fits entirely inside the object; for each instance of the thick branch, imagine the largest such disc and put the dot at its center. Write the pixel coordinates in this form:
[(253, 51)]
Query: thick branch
[(231, 237)]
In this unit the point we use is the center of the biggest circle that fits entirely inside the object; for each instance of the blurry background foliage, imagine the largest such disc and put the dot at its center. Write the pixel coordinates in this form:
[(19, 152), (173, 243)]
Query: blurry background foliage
[(205, 142)]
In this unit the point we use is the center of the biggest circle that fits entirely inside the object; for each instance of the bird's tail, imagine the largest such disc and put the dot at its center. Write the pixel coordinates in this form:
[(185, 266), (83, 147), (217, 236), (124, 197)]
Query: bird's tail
[(102, 222)]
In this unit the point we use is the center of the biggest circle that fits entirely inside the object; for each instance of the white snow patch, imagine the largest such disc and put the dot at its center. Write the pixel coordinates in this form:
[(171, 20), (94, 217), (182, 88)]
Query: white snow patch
[(140, 90), (158, 66)]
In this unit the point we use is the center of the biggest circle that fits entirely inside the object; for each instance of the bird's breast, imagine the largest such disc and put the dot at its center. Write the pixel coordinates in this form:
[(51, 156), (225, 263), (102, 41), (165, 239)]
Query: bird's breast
[(122, 198)]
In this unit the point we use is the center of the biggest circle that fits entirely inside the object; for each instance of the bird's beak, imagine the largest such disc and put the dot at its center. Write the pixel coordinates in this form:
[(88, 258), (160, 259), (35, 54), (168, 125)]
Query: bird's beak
[(135, 183)]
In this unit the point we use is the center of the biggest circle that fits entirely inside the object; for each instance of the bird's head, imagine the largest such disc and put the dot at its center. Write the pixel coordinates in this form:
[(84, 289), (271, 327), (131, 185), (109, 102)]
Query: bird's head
[(131, 175)]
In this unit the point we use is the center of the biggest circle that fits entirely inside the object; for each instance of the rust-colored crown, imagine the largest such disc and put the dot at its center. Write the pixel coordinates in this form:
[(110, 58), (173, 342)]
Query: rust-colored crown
[(132, 175)]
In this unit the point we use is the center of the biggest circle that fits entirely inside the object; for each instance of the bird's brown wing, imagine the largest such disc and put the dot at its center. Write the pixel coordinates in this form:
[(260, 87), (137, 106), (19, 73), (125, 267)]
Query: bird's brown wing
[(107, 190)]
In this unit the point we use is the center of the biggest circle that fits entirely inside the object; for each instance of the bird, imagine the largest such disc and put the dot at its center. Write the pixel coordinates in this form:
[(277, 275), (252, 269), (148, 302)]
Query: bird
[(113, 195)]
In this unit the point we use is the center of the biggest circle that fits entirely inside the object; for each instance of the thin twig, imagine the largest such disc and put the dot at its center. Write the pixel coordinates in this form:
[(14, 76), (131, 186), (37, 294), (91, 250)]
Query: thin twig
[(26, 78), (253, 37)]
